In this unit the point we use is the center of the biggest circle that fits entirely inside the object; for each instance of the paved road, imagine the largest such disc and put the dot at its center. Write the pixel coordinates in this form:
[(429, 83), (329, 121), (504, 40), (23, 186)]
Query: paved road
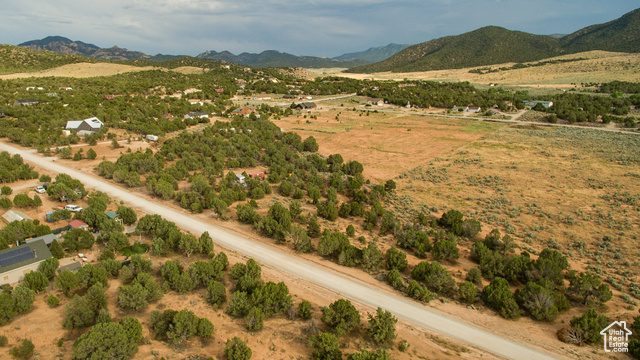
[(327, 278)]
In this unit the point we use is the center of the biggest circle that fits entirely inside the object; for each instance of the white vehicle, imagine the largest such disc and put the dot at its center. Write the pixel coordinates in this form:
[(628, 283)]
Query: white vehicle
[(73, 208), (40, 189)]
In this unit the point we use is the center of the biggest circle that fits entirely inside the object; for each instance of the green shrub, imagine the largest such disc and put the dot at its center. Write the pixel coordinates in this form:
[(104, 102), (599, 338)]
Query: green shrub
[(53, 301), (24, 351), (304, 310), (467, 292)]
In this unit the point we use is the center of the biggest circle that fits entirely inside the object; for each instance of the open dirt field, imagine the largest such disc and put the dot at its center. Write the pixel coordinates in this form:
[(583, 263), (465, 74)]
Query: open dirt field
[(387, 145), (82, 70), (597, 66)]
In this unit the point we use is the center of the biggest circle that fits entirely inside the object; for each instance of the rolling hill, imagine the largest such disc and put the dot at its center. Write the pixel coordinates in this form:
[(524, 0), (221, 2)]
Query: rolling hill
[(14, 59), (494, 45), (620, 35)]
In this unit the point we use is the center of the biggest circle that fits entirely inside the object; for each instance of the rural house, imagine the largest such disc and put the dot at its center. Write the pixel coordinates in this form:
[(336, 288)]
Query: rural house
[(375, 101), (86, 126), (474, 109), (460, 108), (258, 174), (193, 115), (245, 110), (306, 105), (27, 102), (17, 261), (532, 103), (219, 91)]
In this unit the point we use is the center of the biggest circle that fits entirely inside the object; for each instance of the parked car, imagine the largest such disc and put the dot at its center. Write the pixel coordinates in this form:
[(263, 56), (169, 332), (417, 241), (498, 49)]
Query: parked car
[(40, 189), (73, 208)]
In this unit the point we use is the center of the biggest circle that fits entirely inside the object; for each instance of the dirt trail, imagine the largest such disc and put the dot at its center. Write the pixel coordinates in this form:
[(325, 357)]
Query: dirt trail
[(358, 291)]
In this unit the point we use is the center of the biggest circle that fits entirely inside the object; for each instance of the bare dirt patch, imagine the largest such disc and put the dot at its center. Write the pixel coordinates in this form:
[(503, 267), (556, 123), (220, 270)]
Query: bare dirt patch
[(387, 145), (82, 70)]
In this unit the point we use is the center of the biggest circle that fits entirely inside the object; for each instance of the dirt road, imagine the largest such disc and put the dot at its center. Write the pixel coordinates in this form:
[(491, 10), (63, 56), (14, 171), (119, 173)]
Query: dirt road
[(406, 309)]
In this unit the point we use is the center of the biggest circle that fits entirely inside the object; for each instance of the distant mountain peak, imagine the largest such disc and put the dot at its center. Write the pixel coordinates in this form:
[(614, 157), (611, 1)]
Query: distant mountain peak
[(275, 58), (374, 54), (64, 45)]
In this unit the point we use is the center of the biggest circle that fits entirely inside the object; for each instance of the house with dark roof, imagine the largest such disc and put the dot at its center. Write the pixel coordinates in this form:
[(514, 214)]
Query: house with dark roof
[(17, 261), (27, 102), (86, 126), (306, 105)]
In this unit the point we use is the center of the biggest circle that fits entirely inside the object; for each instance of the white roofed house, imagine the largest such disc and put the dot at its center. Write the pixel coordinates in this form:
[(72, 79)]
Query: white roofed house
[(86, 126), (193, 115)]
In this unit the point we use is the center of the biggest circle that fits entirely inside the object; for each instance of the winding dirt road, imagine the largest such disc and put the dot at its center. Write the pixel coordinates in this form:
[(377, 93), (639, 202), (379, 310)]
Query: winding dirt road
[(363, 293)]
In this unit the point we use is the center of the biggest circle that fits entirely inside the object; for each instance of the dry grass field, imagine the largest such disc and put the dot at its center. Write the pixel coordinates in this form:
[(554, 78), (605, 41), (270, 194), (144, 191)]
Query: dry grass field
[(597, 66)]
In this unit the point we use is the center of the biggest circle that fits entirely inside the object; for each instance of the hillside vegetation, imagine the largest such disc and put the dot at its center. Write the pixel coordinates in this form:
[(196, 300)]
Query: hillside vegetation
[(374, 54), (15, 59), (494, 45)]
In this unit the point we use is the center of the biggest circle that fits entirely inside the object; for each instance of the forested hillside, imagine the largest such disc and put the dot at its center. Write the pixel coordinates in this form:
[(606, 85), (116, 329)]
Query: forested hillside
[(494, 45)]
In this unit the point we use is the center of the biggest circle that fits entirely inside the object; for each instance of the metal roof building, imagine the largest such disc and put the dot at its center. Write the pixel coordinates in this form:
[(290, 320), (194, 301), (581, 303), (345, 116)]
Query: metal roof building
[(15, 215)]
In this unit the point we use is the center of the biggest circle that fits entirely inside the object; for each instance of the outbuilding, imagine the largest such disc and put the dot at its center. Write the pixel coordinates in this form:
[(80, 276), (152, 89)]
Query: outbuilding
[(48, 239), (15, 215)]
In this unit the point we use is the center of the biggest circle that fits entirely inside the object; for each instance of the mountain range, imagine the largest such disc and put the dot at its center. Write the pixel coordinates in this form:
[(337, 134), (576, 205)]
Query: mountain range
[(485, 46), (269, 58), (273, 58), (495, 45)]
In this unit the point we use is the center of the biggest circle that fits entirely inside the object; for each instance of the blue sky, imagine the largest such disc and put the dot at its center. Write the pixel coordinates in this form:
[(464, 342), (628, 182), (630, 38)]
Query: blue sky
[(304, 27)]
